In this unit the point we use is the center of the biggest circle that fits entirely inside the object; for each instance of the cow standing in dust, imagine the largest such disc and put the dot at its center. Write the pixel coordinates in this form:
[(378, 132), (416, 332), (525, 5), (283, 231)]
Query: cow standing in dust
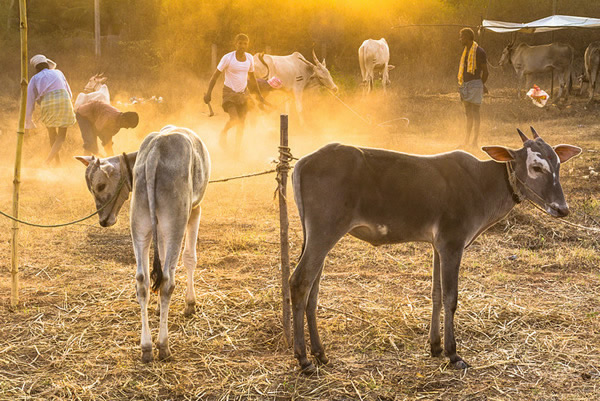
[(387, 197), (169, 178), (374, 58), (592, 67), (296, 73), (528, 60)]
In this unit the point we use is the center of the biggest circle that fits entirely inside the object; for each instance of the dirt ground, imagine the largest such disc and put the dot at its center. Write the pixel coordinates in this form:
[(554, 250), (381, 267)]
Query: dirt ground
[(529, 291)]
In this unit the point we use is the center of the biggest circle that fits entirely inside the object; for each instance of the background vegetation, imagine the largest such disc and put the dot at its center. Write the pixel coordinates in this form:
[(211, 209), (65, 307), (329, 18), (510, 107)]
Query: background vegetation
[(166, 38)]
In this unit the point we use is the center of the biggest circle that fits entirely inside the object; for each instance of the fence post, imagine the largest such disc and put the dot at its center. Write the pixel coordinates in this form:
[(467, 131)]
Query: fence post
[(282, 173), (97, 38), (14, 271)]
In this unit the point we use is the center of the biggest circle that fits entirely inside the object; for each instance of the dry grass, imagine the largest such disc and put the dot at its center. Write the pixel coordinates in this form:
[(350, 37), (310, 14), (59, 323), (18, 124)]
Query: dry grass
[(529, 303)]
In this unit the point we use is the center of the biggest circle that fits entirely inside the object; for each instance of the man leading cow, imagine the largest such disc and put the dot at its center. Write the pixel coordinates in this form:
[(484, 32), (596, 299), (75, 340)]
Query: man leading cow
[(472, 75)]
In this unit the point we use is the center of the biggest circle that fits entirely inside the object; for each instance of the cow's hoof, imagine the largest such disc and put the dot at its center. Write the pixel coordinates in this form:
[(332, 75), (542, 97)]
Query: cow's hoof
[(164, 353), (190, 310), (321, 358), (147, 356), (459, 364), (308, 368)]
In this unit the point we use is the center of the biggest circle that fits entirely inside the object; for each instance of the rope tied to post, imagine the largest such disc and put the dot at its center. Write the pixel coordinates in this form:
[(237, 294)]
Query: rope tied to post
[(283, 166)]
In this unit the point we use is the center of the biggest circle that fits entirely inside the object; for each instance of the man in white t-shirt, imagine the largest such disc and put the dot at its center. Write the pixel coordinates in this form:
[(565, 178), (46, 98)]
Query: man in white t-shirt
[(238, 67)]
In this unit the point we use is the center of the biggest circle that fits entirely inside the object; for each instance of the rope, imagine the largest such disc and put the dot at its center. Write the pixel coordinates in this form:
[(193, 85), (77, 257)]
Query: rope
[(121, 183), (283, 165), (243, 176), (365, 120), (566, 222), (350, 108)]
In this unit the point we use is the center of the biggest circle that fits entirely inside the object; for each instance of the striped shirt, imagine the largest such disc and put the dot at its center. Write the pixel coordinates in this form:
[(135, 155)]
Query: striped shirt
[(40, 84)]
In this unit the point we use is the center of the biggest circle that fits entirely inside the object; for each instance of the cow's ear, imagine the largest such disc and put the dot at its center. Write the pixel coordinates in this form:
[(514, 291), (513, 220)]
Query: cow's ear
[(108, 169), (566, 152), (391, 67), (324, 64), (86, 160), (499, 153)]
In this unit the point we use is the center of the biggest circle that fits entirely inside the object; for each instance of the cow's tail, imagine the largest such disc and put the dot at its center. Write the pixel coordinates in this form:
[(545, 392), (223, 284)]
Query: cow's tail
[(593, 72), (571, 72), (261, 57), (157, 273), (296, 184)]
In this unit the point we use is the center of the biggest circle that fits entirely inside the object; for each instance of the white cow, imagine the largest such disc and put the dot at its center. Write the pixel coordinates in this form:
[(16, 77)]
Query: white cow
[(374, 57), (95, 89), (170, 175), (528, 60), (295, 73)]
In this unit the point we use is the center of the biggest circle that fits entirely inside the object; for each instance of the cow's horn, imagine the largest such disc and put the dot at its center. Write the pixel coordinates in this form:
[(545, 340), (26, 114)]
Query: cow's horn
[(316, 60), (522, 135), (305, 61), (535, 134)]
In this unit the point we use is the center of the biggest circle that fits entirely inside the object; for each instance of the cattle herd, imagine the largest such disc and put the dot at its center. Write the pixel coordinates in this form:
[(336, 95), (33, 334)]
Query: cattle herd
[(556, 57), (374, 195)]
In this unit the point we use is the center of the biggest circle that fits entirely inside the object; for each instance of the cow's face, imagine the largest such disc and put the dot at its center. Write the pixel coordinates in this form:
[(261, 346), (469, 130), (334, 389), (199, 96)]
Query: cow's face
[(321, 72), (505, 59), (103, 181), (95, 83), (537, 167)]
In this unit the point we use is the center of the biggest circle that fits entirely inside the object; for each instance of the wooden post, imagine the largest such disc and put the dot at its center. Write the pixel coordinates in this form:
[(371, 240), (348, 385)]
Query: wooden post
[(97, 28), (14, 271), (283, 168), (213, 58), (552, 40)]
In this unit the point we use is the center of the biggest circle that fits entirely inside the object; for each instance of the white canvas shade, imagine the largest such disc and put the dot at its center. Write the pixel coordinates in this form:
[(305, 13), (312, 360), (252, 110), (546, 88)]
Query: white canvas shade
[(548, 24)]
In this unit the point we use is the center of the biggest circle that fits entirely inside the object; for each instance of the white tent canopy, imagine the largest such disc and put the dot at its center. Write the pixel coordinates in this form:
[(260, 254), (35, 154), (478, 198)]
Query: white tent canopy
[(547, 24)]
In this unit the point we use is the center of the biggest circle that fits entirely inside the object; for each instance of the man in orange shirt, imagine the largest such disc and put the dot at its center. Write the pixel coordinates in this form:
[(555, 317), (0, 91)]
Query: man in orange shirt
[(100, 120)]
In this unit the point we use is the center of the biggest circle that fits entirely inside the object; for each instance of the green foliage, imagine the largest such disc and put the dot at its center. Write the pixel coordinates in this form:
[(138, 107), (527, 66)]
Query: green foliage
[(149, 34)]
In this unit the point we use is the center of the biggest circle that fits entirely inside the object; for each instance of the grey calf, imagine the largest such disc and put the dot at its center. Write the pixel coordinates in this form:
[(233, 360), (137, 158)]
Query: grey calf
[(385, 197), (170, 177)]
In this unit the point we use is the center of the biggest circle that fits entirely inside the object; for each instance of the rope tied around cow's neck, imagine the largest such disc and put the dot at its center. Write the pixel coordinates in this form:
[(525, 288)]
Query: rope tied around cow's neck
[(126, 180), (517, 195), (125, 161)]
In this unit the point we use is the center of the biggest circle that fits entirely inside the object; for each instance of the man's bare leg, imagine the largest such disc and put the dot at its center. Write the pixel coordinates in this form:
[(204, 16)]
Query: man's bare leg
[(56, 141), (469, 124), (239, 131), (233, 120), (475, 118)]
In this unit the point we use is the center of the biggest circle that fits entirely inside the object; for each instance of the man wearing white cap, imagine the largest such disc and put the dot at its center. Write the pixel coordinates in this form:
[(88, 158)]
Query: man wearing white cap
[(50, 89)]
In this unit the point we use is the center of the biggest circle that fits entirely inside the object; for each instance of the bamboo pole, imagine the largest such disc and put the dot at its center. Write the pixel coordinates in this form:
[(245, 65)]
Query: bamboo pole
[(14, 298), (97, 38), (283, 229)]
